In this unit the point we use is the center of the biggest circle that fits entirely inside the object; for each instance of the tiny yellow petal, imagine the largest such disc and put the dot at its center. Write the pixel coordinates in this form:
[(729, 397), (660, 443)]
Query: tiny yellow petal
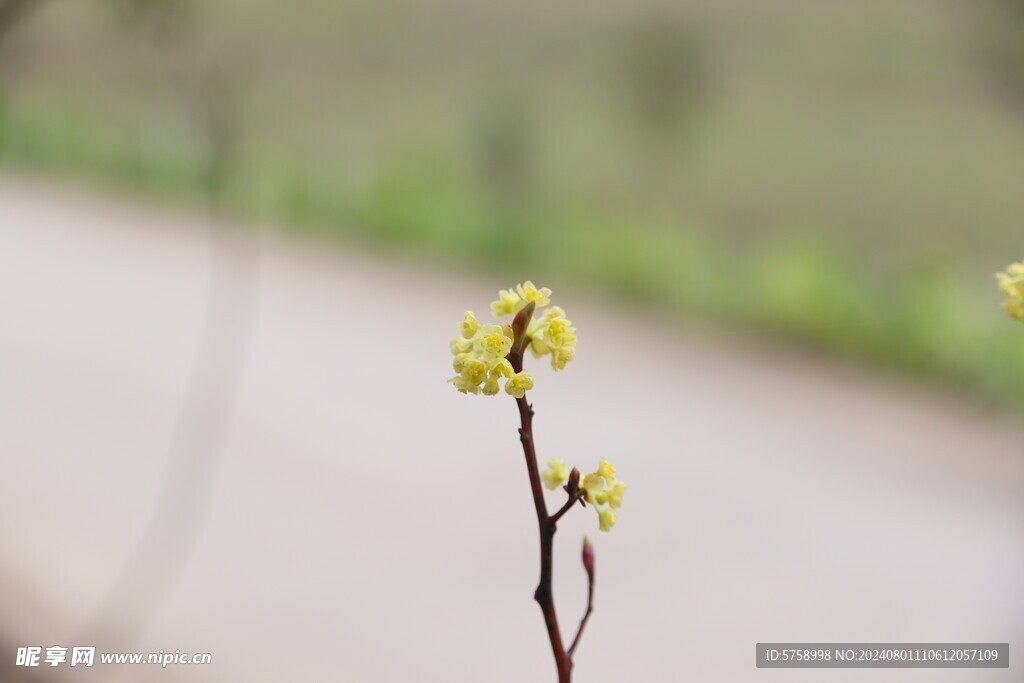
[(606, 518)]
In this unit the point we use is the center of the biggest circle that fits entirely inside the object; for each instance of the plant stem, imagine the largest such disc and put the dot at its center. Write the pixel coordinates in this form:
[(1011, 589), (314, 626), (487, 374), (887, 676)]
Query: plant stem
[(547, 526), (586, 617), (565, 508)]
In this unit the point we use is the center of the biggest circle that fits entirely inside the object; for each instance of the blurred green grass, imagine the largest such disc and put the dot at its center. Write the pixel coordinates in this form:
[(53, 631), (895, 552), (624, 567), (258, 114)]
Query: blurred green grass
[(840, 176)]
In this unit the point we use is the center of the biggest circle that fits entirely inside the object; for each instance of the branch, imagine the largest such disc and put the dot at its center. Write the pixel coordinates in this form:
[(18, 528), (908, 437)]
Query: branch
[(546, 529), (565, 508), (588, 564)]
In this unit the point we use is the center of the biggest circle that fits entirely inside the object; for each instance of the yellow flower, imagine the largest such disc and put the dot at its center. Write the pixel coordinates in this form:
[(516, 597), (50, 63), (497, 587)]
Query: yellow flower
[(473, 369), (592, 484), (511, 301), (553, 334), (615, 494), (469, 325), (549, 334), (530, 293), (606, 518), (460, 361), (559, 332), (554, 312), (458, 346), (491, 343), (502, 368), (555, 475), (1011, 283), (561, 356), (606, 470), (600, 489), (490, 387), (518, 384), (508, 302), (1015, 308), (465, 385), (480, 359)]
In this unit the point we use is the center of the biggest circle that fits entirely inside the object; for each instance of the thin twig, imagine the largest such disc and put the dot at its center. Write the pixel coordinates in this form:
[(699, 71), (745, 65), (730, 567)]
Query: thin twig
[(565, 508), (546, 528), (586, 615)]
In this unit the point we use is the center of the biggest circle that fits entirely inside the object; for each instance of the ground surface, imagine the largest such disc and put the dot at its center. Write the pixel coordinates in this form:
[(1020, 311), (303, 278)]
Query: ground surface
[(354, 519)]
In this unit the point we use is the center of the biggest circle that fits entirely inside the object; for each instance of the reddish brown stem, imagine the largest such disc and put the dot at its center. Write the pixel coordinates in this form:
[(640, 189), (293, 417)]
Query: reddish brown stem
[(586, 616), (565, 508), (547, 526)]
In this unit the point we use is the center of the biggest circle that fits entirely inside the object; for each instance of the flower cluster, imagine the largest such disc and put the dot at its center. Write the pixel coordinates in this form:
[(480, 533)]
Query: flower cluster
[(599, 488), (1011, 282), (552, 333), (481, 350), (511, 301), (480, 360)]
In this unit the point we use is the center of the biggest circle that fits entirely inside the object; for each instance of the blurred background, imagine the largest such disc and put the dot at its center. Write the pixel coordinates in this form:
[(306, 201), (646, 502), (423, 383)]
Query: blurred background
[(236, 235)]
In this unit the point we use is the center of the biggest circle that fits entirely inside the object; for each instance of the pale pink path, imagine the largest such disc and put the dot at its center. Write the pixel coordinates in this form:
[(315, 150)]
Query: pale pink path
[(372, 525)]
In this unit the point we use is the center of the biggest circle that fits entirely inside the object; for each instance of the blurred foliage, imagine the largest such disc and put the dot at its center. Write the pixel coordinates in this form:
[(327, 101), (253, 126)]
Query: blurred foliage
[(831, 176), (1005, 50), (661, 87)]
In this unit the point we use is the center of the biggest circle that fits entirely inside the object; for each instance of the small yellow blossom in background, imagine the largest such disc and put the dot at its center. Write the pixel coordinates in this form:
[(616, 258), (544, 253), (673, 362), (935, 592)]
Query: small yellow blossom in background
[(555, 475), (1011, 282), (481, 349), (601, 488)]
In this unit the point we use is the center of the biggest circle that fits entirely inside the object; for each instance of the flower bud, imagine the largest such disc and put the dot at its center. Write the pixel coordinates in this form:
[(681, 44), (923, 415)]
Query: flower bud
[(588, 559), (519, 325), (573, 487)]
